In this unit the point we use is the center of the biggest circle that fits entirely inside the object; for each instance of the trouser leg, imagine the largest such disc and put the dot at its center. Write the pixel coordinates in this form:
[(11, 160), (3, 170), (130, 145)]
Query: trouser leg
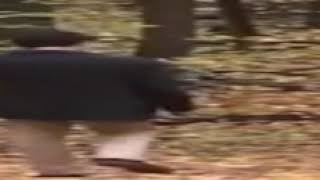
[(125, 140), (124, 144), (43, 144)]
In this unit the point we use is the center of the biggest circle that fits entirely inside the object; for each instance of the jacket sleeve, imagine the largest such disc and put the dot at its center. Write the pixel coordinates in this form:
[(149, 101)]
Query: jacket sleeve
[(162, 87)]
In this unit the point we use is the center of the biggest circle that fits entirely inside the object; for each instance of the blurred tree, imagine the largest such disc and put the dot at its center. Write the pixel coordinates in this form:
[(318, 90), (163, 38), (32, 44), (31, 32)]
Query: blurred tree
[(169, 24), (238, 21), (237, 17), (16, 14), (313, 17)]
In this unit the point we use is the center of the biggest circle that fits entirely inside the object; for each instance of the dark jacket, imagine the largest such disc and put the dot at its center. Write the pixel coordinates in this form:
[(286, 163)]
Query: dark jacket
[(70, 85)]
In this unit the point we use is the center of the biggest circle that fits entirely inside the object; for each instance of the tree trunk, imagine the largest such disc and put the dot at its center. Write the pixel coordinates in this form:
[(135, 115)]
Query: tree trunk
[(313, 17), (169, 25), (237, 18)]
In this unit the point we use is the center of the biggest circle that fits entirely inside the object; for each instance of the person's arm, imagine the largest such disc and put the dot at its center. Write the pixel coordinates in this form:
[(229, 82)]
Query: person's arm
[(161, 86)]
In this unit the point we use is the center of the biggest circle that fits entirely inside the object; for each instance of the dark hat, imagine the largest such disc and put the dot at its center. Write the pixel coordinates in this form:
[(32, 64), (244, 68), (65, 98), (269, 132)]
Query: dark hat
[(46, 37)]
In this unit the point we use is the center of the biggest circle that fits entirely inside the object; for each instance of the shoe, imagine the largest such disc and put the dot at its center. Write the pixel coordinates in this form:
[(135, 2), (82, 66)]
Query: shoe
[(134, 166)]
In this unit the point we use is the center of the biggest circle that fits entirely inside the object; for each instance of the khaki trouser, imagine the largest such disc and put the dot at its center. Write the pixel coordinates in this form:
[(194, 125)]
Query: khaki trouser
[(43, 142)]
